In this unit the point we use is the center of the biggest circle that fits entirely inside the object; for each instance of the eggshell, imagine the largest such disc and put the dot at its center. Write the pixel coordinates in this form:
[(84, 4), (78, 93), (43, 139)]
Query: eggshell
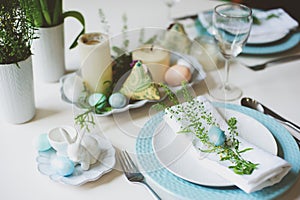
[(63, 165), (176, 74), (41, 142)]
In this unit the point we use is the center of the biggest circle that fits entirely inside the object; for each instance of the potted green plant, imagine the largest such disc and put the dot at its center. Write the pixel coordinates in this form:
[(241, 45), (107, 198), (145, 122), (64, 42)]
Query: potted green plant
[(16, 76), (48, 51)]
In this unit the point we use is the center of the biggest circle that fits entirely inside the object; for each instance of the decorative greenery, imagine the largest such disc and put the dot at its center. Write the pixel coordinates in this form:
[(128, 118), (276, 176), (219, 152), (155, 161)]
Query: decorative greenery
[(192, 112), (16, 33), (49, 13), (257, 21), (84, 120), (104, 21), (46, 12)]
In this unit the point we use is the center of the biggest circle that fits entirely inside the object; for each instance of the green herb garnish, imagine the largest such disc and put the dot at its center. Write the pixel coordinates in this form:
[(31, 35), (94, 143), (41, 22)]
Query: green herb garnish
[(257, 21), (189, 114), (85, 119)]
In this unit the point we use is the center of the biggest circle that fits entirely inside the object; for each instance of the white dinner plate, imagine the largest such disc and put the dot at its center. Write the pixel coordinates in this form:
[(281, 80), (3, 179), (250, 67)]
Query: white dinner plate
[(176, 153), (267, 38)]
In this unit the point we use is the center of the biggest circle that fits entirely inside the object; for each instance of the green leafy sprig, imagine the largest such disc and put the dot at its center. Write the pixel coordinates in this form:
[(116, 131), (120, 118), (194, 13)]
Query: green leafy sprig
[(85, 120), (104, 21), (257, 21), (190, 113)]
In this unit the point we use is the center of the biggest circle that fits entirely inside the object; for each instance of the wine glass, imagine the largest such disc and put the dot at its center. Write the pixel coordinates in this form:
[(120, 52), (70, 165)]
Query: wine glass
[(232, 23), (170, 4)]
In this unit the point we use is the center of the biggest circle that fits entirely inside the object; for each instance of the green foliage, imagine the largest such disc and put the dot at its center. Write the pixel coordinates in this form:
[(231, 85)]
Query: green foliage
[(45, 13), (103, 21), (85, 119), (258, 21), (49, 13), (16, 32)]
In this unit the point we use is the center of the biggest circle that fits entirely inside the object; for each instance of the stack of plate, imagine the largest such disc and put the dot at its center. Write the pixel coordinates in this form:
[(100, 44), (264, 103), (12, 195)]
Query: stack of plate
[(270, 40), (171, 162)]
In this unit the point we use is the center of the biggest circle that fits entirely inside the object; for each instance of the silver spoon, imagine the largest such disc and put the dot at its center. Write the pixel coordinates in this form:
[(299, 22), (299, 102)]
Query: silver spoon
[(251, 103)]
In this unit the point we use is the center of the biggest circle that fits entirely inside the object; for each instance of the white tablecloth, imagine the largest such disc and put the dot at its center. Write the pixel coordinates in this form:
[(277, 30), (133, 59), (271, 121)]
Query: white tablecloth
[(277, 87)]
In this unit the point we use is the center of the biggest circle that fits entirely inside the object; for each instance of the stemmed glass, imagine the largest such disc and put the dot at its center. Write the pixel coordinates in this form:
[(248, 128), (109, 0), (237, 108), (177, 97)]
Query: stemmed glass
[(232, 23)]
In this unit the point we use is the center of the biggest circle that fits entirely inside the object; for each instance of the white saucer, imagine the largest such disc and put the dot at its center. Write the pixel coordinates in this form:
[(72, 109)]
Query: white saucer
[(105, 164)]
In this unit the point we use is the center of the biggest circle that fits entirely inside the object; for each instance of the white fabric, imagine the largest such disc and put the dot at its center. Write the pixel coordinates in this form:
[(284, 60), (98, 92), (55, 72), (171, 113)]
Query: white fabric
[(269, 29), (274, 27), (271, 168)]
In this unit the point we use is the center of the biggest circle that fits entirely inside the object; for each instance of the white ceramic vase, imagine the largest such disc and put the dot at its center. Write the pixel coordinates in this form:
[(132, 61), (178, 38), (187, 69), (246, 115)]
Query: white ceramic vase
[(17, 92), (48, 54)]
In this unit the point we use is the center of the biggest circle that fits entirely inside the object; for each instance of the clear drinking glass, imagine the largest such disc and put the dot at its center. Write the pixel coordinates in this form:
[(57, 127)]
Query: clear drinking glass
[(232, 23)]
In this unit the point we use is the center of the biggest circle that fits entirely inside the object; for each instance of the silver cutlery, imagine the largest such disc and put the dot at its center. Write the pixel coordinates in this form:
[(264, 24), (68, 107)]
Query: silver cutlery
[(132, 173), (251, 103), (274, 61)]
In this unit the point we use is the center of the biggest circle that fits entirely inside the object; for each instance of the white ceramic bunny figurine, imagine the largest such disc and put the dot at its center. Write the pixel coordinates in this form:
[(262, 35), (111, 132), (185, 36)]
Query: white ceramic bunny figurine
[(83, 149)]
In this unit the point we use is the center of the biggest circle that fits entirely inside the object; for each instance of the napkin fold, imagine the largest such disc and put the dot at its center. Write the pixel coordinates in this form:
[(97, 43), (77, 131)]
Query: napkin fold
[(272, 24), (271, 168)]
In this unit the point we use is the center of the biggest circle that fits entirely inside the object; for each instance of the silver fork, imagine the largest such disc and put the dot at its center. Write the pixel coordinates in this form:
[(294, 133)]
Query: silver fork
[(132, 173), (278, 60)]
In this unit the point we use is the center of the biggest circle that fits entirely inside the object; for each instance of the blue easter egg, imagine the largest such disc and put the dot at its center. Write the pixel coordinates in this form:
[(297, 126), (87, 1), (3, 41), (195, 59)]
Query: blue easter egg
[(117, 100), (63, 165), (42, 143), (98, 100), (216, 136)]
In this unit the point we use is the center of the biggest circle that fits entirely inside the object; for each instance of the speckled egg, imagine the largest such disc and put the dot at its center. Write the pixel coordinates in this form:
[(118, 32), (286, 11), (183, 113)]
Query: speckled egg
[(98, 100), (117, 100), (62, 165), (176, 74), (41, 142), (216, 136)]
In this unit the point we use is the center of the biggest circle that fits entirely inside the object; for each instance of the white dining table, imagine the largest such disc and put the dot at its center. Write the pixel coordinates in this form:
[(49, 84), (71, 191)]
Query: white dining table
[(277, 87)]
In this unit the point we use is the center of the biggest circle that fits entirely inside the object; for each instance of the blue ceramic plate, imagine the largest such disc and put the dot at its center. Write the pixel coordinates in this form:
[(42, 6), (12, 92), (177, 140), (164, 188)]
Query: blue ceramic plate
[(188, 190), (275, 47)]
